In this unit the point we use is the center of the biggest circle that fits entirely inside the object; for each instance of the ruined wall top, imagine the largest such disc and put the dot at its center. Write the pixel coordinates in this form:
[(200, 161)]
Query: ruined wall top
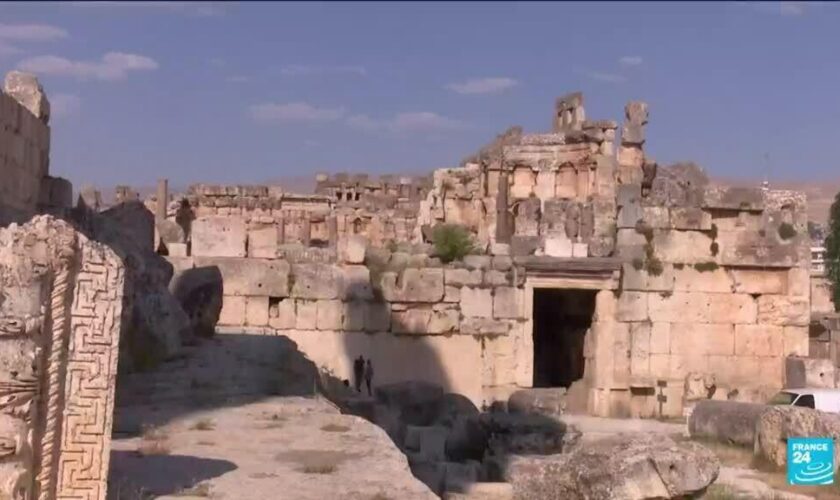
[(569, 113), (27, 90)]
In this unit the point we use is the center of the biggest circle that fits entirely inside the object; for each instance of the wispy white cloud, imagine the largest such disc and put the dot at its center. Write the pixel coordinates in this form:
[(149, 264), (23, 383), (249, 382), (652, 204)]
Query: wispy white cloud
[(631, 61), (201, 9), (113, 66), (304, 70), (63, 105), (416, 122), (295, 112), (601, 76), (238, 79), (31, 32), (217, 62), (491, 85)]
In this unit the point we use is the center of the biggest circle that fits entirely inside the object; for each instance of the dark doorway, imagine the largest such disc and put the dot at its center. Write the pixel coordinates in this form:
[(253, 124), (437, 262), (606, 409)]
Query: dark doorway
[(561, 319)]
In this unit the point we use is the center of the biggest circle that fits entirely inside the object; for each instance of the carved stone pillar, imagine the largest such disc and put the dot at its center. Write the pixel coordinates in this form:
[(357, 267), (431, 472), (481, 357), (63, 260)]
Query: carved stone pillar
[(306, 231)]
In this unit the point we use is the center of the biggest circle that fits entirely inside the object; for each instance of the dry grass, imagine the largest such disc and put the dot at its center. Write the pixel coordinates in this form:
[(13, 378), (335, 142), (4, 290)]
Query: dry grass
[(205, 424), (126, 491), (155, 441), (316, 461), (335, 428), (206, 442), (199, 490)]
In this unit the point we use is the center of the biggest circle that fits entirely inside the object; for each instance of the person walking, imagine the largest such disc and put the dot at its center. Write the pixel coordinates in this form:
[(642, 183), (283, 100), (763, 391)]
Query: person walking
[(368, 376), (358, 372)]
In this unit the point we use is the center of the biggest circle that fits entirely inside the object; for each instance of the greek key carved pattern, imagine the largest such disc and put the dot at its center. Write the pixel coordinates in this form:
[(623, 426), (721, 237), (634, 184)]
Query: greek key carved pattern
[(90, 376)]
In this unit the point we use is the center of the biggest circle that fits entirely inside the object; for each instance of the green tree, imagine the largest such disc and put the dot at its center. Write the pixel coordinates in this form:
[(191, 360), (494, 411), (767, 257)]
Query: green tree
[(452, 242), (832, 251)]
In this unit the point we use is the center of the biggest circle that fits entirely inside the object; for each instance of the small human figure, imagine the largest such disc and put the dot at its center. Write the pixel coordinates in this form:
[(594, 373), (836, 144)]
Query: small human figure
[(358, 372), (368, 376), (346, 383)]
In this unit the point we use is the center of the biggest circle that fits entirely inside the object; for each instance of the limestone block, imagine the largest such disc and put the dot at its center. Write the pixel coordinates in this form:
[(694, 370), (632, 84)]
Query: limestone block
[(678, 307), (445, 321), (478, 261), (631, 156), (759, 281), (633, 306), (809, 372), (451, 294), (356, 283), (502, 263), (307, 314), (640, 349), (500, 249), (796, 341), (462, 277), (759, 340), (735, 308), (251, 276), (177, 249), (724, 369), (784, 310), (621, 355), (330, 315), (642, 280), (412, 321), (377, 317), (751, 249), (354, 316), (507, 302), (686, 247), (496, 278), (262, 243), (606, 307), (476, 302), (415, 285), (558, 246), (282, 315), (256, 311), (233, 310), (660, 338), (524, 180), (656, 217), (734, 198), (691, 218), (689, 279), (580, 250), (484, 326), (317, 281), (658, 364), (693, 339), (218, 236), (799, 282), (354, 249)]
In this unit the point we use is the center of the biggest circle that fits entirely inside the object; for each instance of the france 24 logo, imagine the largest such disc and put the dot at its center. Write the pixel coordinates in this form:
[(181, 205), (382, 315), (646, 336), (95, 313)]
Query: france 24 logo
[(810, 461)]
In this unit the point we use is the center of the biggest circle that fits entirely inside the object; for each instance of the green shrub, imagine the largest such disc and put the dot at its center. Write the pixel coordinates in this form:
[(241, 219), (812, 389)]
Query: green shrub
[(714, 248), (452, 242), (705, 267), (654, 267), (645, 230), (786, 231), (713, 233), (638, 264)]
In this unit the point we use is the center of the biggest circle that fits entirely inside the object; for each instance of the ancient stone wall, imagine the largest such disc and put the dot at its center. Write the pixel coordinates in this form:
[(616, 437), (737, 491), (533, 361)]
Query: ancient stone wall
[(60, 319), (24, 152)]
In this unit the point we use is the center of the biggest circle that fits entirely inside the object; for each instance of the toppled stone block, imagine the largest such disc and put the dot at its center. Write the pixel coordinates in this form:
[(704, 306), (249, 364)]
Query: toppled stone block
[(200, 291), (779, 423), (354, 250), (728, 422), (636, 112)]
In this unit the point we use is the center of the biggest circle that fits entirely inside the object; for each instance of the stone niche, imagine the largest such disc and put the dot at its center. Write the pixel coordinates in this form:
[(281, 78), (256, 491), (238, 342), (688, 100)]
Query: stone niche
[(61, 301)]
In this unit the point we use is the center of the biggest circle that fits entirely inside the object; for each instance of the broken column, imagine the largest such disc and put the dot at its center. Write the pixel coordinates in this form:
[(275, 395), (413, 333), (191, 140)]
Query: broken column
[(503, 230), (60, 360), (162, 199), (631, 156), (569, 113)]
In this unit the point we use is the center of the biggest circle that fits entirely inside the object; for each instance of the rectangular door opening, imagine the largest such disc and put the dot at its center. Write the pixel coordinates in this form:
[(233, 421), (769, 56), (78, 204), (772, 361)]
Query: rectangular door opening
[(561, 319)]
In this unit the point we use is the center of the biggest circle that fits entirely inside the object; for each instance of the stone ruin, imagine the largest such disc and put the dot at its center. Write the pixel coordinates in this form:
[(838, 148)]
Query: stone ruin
[(635, 288)]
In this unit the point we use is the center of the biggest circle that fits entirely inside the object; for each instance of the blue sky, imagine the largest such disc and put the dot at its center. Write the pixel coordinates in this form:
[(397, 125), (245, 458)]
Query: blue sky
[(248, 92)]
